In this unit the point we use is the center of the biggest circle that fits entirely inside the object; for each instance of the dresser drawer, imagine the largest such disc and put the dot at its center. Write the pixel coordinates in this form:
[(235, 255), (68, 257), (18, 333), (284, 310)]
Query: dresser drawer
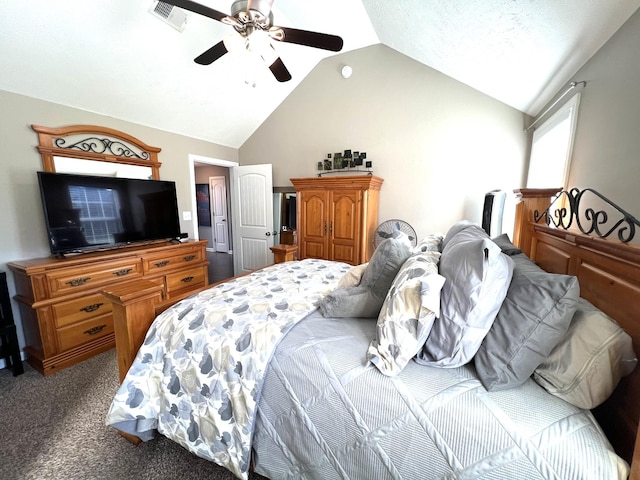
[(84, 332), (65, 282), (169, 260), (190, 278), (80, 309)]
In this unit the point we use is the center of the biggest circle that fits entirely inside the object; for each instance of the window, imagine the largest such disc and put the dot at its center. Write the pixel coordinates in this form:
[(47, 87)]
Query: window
[(99, 212), (551, 147)]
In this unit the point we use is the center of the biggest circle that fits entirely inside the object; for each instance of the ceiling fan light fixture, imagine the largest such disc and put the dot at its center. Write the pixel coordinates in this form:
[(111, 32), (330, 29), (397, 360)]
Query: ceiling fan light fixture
[(263, 6), (260, 43), (234, 42), (253, 12), (276, 33), (233, 22)]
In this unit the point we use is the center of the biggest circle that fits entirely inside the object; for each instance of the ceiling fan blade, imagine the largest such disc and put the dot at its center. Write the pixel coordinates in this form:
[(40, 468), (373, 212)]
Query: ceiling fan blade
[(310, 39), (197, 8), (280, 71), (211, 55)]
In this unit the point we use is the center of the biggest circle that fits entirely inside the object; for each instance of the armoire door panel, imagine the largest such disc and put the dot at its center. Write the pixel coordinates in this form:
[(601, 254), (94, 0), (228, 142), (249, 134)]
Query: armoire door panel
[(345, 220), (344, 253), (313, 225), (312, 249)]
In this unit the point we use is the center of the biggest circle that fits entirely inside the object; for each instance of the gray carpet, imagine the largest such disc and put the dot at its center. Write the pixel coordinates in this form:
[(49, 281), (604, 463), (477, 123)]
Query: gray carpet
[(53, 428)]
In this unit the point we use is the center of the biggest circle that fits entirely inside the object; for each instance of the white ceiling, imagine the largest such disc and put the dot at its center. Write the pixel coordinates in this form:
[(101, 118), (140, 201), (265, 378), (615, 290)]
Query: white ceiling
[(116, 59)]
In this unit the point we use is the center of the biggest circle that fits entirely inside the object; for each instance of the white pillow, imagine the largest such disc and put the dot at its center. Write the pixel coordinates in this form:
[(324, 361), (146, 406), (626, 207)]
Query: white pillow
[(409, 309), (477, 276), (353, 276), (587, 364)]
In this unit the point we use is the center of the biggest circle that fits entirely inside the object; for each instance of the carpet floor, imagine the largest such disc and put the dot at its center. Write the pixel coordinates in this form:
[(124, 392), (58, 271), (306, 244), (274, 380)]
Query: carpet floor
[(53, 428)]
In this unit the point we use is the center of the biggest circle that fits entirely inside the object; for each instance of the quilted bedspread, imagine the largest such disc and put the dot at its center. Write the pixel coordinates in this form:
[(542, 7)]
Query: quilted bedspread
[(325, 413), (198, 375)]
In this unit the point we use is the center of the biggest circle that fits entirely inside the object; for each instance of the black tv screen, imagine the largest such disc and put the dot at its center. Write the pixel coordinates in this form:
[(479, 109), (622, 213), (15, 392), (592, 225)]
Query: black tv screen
[(85, 212)]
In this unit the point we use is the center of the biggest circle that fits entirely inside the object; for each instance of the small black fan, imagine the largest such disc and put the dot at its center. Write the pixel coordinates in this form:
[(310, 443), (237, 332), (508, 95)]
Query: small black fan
[(388, 227)]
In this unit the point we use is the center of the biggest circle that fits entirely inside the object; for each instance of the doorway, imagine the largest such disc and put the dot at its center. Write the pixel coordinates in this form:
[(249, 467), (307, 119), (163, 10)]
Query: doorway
[(250, 208), (220, 254)]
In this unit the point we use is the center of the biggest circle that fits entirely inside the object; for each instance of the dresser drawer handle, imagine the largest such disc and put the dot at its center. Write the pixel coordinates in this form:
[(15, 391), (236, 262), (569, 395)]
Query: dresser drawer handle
[(92, 308), (94, 330), (188, 258), (76, 282), (187, 279), (163, 263), (123, 272)]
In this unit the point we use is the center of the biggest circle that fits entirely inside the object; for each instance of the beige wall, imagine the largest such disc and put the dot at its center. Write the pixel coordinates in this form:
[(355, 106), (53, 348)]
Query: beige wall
[(606, 153), (606, 145), (438, 144), (21, 219)]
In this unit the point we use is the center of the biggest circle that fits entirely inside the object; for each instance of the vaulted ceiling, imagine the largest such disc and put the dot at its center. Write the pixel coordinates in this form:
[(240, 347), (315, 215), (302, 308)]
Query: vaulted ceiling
[(116, 59)]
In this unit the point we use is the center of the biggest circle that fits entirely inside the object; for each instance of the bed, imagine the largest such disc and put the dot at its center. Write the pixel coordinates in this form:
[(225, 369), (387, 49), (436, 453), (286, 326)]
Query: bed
[(330, 395)]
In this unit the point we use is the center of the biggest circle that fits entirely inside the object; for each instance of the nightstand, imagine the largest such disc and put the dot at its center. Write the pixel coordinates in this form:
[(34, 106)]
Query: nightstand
[(284, 253)]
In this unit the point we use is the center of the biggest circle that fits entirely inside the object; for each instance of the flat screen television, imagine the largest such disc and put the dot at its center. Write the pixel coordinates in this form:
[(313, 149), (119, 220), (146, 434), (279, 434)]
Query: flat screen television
[(85, 212)]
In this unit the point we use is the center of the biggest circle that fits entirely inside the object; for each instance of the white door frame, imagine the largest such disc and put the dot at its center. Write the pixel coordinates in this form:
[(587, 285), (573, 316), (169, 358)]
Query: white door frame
[(192, 182)]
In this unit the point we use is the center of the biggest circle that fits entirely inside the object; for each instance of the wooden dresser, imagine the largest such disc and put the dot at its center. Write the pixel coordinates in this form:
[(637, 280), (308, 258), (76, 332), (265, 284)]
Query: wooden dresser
[(66, 319), (337, 217)]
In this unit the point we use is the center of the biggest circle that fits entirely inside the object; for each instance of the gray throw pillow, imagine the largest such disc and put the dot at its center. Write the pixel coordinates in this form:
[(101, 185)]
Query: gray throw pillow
[(508, 248), (477, 278), (366, 299), (532, 320)]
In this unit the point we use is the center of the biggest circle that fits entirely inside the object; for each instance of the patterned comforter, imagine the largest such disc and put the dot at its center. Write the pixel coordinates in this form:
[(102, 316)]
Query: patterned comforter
[(198, 375)]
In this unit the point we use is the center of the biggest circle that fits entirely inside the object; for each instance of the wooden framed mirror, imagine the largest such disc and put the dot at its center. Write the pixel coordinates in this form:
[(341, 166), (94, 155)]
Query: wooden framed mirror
[(95, 150)]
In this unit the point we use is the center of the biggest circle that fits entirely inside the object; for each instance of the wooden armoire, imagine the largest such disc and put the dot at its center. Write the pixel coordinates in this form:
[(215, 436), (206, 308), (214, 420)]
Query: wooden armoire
[(337, 217)]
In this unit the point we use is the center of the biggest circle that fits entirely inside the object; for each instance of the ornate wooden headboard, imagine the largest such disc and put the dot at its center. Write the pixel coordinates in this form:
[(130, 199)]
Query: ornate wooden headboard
[(556, 230)]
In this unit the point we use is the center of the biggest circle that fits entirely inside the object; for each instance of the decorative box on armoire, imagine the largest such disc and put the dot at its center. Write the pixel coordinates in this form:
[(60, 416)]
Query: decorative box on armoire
[(337, 217), (9, 348)]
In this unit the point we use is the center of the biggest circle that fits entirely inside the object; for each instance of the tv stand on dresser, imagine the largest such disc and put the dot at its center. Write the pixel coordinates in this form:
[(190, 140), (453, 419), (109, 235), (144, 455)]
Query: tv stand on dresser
[(65, 317)]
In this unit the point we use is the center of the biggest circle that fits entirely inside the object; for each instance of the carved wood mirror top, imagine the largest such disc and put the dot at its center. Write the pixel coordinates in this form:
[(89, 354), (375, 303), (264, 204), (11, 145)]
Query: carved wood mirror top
[(95, 150)]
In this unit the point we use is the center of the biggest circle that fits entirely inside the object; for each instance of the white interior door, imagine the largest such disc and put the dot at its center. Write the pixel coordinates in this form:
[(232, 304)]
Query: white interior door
[(252, 211), (218, 188)]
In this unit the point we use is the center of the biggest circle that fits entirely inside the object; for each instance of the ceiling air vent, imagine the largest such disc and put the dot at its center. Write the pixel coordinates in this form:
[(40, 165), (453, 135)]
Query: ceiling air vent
[(174, 16)]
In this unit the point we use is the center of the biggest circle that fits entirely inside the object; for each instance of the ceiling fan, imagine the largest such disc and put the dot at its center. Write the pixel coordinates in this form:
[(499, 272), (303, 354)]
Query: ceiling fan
[(253, 21)]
